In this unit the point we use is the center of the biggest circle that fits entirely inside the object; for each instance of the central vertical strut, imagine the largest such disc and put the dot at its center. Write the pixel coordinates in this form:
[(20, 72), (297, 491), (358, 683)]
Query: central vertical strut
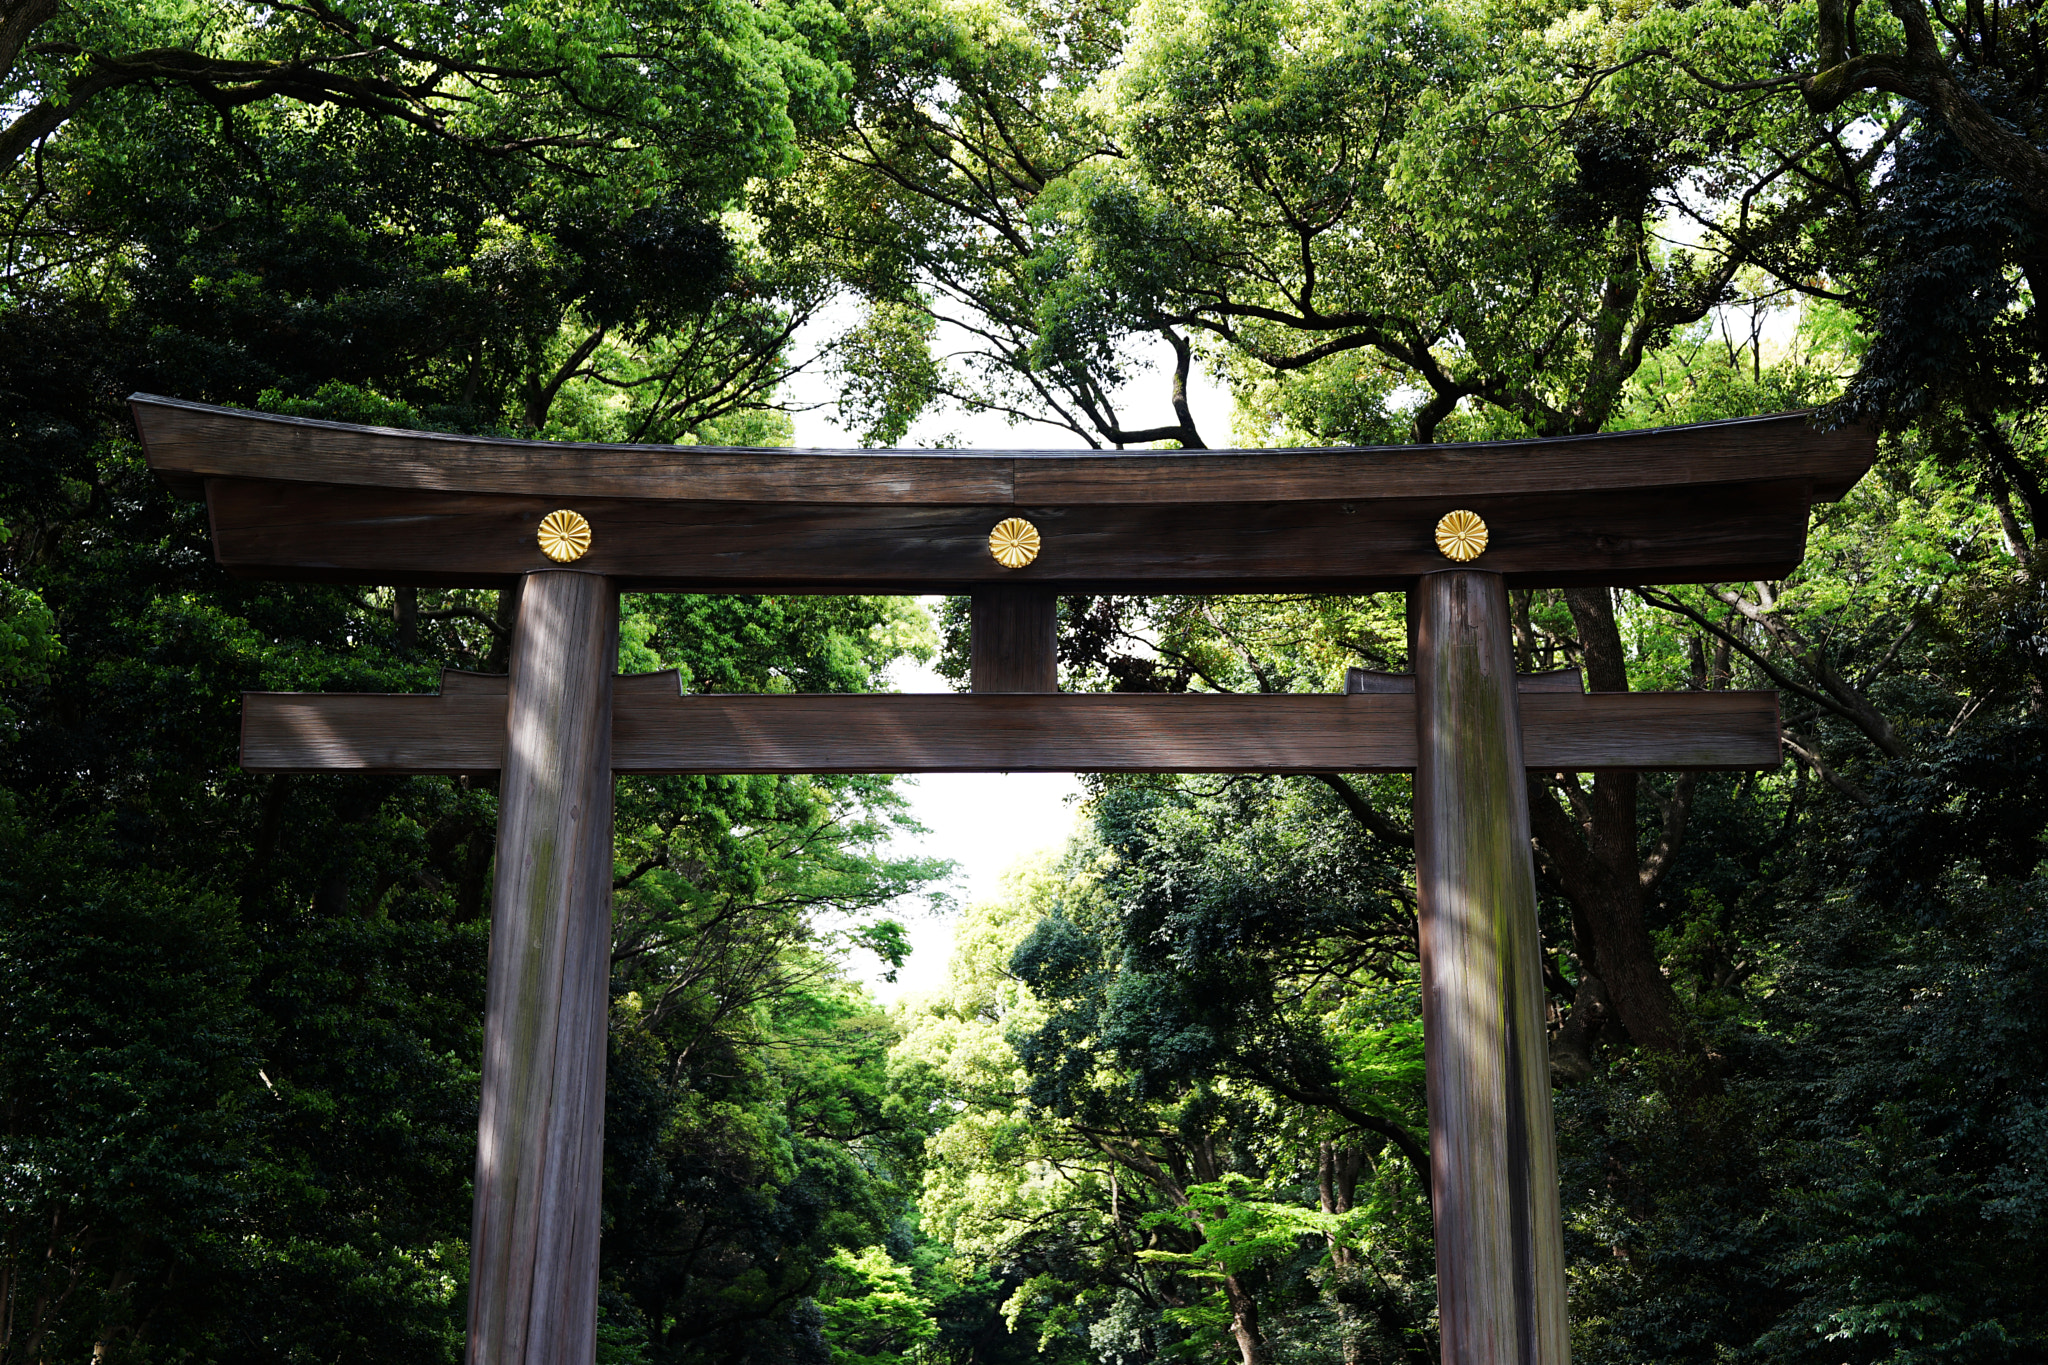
[(1011, 640), (540, 1135), (1493, 1153)]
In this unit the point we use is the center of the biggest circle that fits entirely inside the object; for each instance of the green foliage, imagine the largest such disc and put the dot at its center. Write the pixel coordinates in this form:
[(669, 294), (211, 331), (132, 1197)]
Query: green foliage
[(237, 1104), (1380, 221), (1867, 1191), (215, 1120), (1168, 1105), (873, 1311), (1149, 1120), (887, 375), (1238, 1230), (29, 644), (700, 94), (749, 1153)]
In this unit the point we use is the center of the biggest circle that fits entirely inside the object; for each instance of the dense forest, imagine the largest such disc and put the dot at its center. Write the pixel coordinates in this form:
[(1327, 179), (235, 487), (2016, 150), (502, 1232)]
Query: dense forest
[(1168, 1105)]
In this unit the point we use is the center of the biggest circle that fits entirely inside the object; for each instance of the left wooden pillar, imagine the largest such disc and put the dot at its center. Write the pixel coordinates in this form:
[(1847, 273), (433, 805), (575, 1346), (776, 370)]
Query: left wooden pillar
[(540, 1135)]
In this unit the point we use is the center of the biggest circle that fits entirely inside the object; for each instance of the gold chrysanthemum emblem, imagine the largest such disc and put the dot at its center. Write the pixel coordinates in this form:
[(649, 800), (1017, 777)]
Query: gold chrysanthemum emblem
[(1014, 543), (564, 536), (1461, 536)]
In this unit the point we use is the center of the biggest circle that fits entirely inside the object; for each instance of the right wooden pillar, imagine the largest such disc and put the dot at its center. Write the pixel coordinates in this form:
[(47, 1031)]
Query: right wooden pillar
[(1493, 1151)]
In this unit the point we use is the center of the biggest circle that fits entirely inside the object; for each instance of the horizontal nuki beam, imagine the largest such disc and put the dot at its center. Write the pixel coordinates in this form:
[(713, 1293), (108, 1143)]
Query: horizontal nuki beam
[(291, 498), (656, 731)]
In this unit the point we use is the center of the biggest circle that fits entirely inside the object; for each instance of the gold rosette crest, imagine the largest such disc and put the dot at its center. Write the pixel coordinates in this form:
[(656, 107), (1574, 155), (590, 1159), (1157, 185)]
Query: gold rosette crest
[(1014, 543), (564, 536), (1461, 535)]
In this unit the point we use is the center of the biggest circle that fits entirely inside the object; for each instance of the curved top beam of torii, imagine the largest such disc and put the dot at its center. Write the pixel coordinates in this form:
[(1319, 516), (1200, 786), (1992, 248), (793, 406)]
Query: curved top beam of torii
[(294, 498)]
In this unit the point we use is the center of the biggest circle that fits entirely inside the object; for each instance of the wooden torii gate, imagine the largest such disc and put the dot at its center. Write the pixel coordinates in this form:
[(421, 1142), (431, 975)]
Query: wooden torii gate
[(571, 526)]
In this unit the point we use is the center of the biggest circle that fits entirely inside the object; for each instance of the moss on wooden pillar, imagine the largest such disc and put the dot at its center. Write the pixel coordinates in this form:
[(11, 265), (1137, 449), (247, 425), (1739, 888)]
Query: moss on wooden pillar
[(1499, 1247)]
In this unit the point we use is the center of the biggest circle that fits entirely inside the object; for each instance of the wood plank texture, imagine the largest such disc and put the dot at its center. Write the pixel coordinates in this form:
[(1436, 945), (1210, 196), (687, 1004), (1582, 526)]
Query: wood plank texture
[(1557, 680), (1650, 731), (655, 730), (187, 442), (314, 732), (1019, 732), (367, 535), (1013, 640), (1493, 1160), (540, 1133)]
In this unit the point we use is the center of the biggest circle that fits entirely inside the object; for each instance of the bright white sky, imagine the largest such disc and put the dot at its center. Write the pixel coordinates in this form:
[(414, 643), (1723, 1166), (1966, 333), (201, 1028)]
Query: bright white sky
[(983, 822)]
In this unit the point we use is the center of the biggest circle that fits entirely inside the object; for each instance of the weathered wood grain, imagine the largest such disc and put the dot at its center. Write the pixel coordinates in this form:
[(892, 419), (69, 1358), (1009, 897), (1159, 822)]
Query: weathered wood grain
[(1568, 680), (657, 731), (1363, 680), (1017, 732), (540, 1134), (1557, 680), (1709, 453), (1012, 634), (188, 442), (314, 732), (1493, 1161), (368, 535), (1650, 731)]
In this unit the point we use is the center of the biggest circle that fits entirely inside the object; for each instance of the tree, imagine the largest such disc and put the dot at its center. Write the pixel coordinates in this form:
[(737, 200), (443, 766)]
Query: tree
[(1384, 222), (595, 90), (1944, 266), (290, 1069), (1942, 70), (885, 1320), (755, 1168), (1395, 198), (1148, 1128)]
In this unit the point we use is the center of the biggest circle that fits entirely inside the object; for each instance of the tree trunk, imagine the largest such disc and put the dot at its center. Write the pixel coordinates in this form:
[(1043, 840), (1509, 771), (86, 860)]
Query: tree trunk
[(1592, 857), (1244, 1322), (1337, 1187)]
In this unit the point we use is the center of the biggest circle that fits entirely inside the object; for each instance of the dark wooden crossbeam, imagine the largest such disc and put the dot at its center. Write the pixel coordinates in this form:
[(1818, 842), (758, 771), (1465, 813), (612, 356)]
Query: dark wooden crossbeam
[(657, 730), (291, 498)]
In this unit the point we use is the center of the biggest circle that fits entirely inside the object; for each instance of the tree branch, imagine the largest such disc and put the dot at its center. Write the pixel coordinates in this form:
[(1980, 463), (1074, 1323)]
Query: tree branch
[(1392, 831)]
